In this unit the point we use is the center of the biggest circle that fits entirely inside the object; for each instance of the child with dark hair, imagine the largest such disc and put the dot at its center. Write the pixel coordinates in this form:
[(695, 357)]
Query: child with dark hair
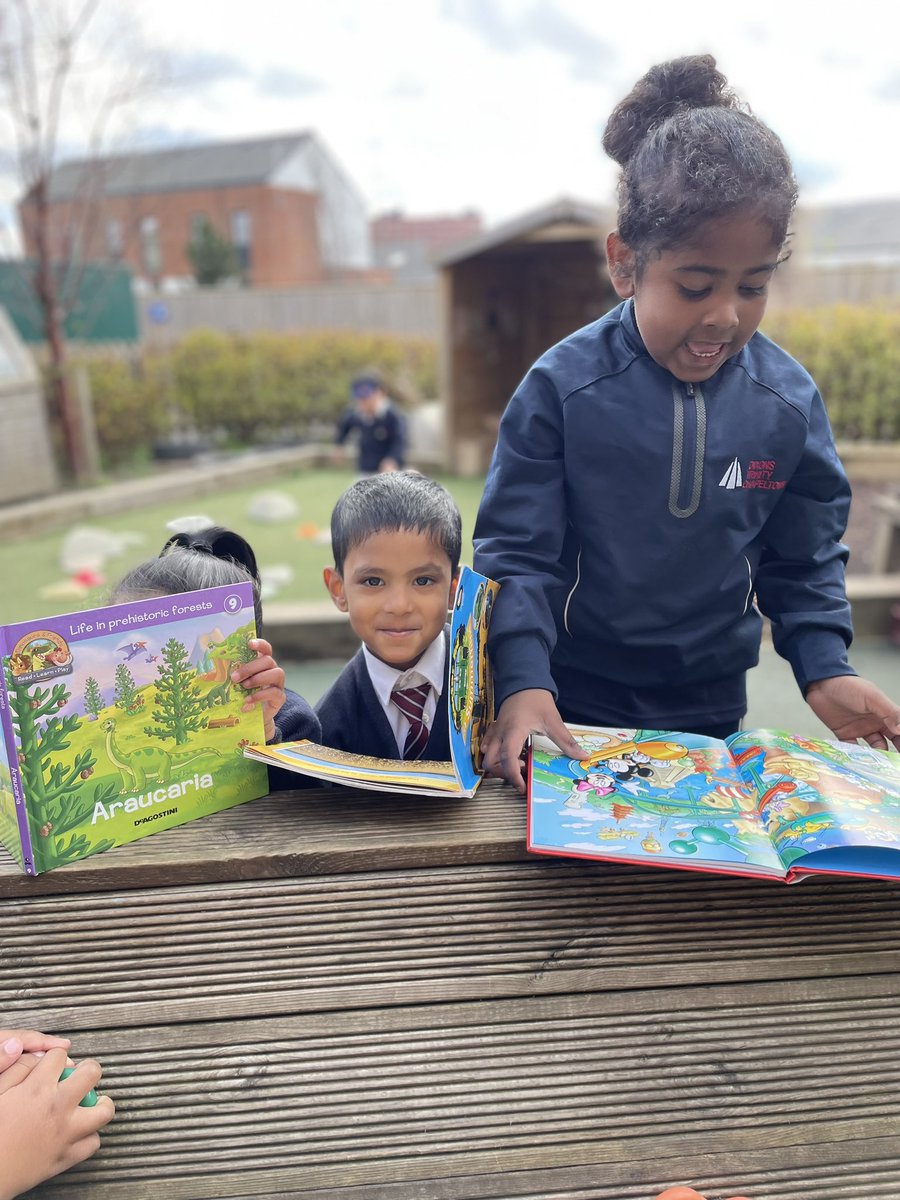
[(214, 557), (379, 427), (667, 475), (396, 540)]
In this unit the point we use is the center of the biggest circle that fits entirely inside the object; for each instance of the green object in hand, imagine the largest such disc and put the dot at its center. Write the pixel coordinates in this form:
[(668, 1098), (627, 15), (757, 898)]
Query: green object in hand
[(90, 1099)]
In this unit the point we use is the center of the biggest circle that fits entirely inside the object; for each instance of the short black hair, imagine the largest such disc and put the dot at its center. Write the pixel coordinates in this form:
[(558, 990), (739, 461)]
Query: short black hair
[(190, 562), (691, 152), (392, 501)]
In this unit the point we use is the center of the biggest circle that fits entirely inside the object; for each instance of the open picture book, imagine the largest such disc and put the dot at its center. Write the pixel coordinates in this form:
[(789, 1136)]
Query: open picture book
[(761, 803), (467, 691)]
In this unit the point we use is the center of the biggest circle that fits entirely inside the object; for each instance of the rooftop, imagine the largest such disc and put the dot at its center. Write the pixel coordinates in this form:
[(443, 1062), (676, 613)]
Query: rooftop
[(246, 161)]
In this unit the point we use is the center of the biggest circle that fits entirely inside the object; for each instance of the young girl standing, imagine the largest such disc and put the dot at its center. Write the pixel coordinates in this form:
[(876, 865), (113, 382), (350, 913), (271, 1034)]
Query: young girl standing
[(666, 475)]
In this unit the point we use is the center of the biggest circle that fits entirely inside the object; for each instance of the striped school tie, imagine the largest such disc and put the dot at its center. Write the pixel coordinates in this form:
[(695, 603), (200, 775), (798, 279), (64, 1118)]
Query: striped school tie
[(411, 702)]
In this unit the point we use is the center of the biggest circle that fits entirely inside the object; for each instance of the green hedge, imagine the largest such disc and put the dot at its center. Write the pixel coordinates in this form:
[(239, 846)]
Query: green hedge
[(239, 390), (853, 353)]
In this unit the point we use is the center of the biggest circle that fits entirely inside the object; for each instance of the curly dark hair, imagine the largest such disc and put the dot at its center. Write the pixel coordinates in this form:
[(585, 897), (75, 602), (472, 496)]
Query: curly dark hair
[(691, 151)]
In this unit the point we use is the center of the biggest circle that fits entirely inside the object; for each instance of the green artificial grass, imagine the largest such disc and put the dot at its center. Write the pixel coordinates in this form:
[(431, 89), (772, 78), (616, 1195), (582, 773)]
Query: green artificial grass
[(28, 566)]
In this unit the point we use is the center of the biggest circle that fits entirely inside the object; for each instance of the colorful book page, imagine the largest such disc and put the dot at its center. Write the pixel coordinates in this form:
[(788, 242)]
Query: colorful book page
[(817, 795), (647, 796), (469, 692), (359, 770)]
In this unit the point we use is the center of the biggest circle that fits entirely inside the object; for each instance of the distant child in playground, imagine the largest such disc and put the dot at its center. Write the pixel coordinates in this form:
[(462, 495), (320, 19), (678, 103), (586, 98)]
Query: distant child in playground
[(666, 475), (379, 427), (214, 557), (396, 540), (44, 1127)]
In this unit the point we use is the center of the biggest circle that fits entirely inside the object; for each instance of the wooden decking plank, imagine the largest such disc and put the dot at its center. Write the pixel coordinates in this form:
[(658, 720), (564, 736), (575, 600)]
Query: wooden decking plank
[(402, 937), (297, 833), (269, 1120), (816, 1172)]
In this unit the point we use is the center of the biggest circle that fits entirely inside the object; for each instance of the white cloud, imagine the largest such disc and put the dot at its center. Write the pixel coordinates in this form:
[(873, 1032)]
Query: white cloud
[(442, 105)]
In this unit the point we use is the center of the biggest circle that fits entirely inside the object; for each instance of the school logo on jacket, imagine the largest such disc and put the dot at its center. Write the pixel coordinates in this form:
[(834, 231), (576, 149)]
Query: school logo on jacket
[(759, 474), (733, 477)]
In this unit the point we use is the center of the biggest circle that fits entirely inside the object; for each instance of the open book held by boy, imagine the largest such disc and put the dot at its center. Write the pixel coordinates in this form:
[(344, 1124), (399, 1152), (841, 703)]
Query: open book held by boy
[(408, 710)]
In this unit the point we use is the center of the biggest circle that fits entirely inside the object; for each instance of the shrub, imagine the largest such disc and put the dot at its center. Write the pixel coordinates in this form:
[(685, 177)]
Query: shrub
[(245, 390), (853, 353)]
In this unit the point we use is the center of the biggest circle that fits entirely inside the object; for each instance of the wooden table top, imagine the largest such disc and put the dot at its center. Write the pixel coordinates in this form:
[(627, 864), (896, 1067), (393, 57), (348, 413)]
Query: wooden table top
[(335, 995)]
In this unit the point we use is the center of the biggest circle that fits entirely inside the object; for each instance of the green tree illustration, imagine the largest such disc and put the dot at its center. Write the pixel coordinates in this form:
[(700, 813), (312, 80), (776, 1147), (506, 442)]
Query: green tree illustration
[(179, 711), (243, 653), (47, 784), (236, 647), (126, 694), (93, 698)]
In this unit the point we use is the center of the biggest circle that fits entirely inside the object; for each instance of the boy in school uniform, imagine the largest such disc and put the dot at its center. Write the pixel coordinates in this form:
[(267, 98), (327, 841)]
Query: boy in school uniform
[(396, 540), (380, 427)]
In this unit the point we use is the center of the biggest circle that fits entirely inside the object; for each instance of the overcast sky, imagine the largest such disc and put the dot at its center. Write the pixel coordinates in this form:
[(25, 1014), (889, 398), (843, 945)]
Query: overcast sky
[(498, 105)]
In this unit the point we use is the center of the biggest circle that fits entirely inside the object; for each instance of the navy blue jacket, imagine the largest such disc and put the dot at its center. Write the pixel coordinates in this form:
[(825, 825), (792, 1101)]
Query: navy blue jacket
[(382, 437), (631, 519), (352, 717), (295, 720)]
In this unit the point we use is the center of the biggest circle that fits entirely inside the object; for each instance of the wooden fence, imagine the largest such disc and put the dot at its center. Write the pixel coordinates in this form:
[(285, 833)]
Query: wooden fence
[(374, 308)]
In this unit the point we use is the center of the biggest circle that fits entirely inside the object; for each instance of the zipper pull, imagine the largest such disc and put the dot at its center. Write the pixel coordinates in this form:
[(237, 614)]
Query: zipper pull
[(690, 389)]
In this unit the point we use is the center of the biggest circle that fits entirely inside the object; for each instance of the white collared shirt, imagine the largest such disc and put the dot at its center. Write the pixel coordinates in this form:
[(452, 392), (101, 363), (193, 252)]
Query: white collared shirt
[(429, 669)]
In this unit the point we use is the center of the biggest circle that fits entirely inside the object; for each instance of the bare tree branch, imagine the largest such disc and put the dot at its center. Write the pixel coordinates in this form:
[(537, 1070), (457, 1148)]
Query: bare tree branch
[(44, 58)]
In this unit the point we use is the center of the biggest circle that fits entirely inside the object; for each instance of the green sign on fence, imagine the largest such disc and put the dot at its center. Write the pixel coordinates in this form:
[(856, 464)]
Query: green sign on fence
[(103, 308)]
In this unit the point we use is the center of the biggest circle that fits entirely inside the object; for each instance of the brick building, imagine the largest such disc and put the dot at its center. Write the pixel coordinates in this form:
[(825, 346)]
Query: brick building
[(292, 213), (408, 247)]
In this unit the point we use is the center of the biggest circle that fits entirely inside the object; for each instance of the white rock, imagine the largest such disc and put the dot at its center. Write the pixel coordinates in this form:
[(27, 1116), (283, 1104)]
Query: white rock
[(192, 524), (272, 506), (85, 548)]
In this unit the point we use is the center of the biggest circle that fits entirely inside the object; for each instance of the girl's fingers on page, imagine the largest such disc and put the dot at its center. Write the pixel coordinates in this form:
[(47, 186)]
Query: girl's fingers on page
[(497, 759), (270, 697), (258, 673), (562, 737), (877, 741), (511, 758)]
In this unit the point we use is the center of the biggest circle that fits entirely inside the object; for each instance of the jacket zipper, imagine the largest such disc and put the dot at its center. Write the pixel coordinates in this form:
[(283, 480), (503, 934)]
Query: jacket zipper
[(688, 450), (571, 594)]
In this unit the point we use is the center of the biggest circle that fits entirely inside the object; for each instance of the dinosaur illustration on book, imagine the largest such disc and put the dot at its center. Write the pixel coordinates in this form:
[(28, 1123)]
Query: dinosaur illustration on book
[(225, 656), (219, 693), (147, 764)]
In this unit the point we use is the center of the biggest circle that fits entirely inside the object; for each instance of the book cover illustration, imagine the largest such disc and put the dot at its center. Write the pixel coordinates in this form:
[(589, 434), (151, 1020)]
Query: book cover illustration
[(122, 721), (468, 695), (761, 803)]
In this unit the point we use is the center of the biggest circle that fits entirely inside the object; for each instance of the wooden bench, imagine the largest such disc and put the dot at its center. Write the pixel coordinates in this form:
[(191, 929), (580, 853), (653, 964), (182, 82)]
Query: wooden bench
[(338, 996)]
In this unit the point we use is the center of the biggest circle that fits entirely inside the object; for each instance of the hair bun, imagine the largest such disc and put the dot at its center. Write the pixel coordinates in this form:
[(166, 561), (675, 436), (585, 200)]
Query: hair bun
[(667, 88), (220, 543)]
